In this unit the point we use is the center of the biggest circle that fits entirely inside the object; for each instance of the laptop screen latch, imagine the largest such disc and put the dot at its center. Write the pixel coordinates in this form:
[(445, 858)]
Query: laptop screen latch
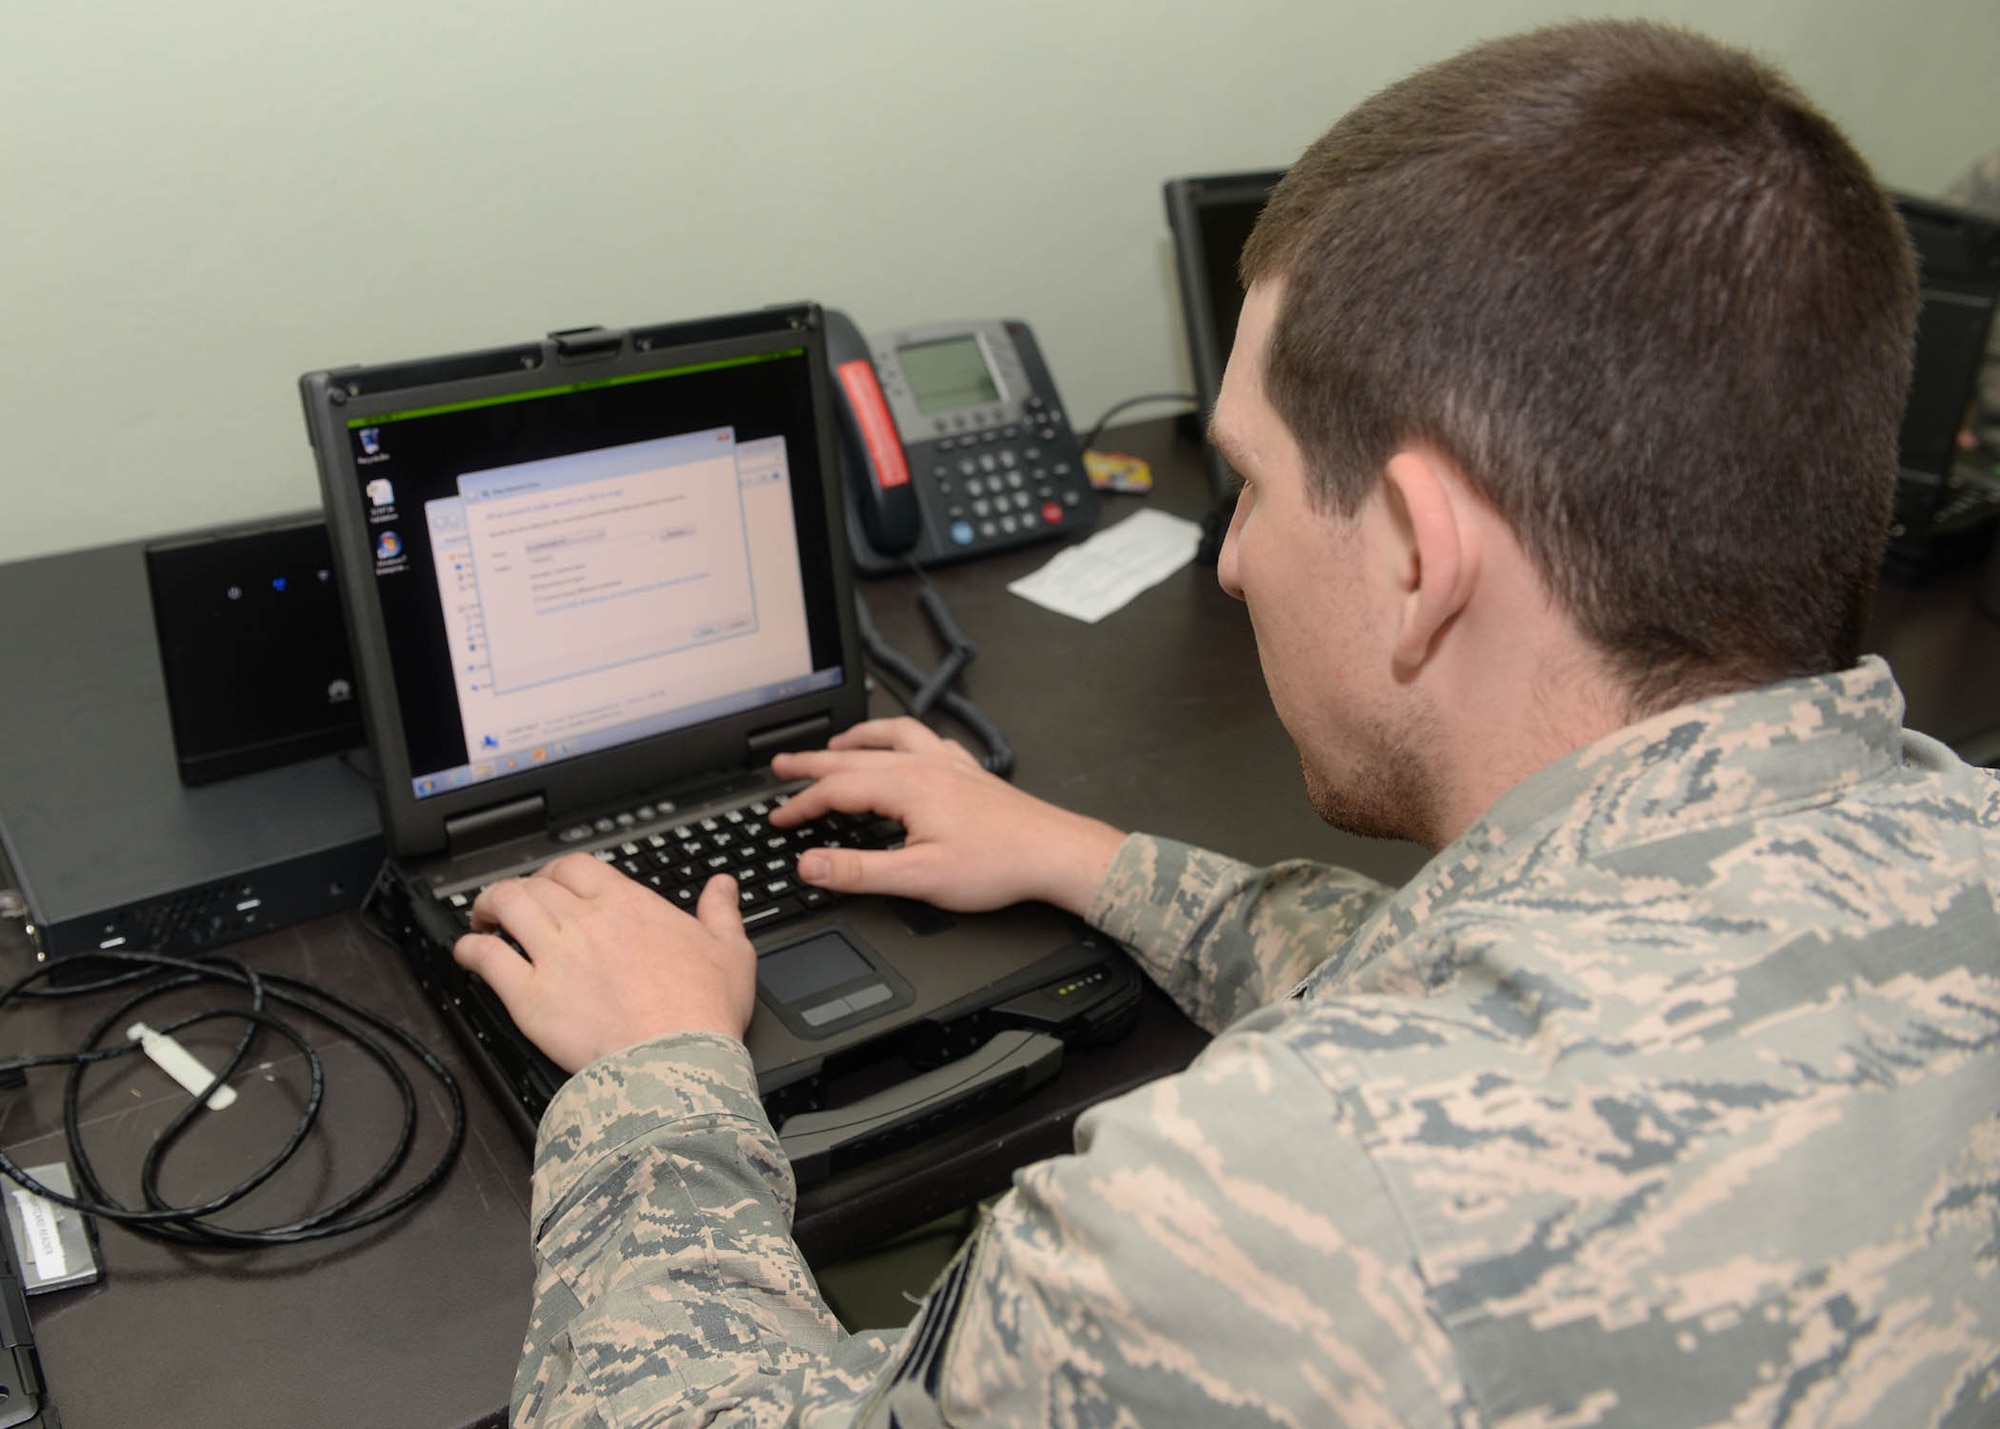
[(482, 828), (583, 344)]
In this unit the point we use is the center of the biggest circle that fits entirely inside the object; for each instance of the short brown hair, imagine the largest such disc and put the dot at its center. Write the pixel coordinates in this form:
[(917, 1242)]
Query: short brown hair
[(1654, 305)]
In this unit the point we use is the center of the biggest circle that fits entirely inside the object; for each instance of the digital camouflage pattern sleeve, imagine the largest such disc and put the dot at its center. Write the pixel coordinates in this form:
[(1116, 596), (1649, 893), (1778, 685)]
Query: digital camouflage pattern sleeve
[(1221, 937), (1668, 1095), (667, 1288)]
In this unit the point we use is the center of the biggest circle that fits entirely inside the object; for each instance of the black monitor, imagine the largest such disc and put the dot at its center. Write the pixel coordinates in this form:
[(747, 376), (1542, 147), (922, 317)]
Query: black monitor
[(1958, 259), (1958, 256), (1210, 218)]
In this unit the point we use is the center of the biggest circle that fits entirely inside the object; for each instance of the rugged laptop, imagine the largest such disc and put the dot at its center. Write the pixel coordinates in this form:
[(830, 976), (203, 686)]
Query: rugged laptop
[(593, 583)]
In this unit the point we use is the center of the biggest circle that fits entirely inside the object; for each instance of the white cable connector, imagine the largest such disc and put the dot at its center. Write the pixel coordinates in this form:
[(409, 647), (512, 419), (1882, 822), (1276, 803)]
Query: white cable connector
[(180, 1064)]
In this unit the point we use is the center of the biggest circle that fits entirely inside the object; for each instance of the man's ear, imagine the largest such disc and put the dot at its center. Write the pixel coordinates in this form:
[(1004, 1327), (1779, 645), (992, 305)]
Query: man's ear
[(1439, 557)]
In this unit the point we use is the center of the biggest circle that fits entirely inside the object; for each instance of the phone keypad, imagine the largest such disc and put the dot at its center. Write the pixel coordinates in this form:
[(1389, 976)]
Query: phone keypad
[(998, 476), (1010, 484)]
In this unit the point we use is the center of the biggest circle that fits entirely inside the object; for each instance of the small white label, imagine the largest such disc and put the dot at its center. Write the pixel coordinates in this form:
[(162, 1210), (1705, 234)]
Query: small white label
[(38, 1219)]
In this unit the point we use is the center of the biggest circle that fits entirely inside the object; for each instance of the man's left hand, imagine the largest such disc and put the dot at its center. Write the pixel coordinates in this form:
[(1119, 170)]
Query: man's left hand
[(610, 963)]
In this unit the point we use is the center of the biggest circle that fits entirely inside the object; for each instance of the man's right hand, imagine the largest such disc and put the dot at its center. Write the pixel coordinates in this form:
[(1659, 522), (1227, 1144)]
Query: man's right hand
[(972, 841)]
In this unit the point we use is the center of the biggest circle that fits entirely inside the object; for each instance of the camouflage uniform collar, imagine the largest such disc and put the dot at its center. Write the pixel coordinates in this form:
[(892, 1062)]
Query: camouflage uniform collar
[(1714, 761)]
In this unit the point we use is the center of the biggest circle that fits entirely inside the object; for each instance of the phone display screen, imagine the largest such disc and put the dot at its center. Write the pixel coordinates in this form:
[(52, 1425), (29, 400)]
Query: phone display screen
[(945, 376)]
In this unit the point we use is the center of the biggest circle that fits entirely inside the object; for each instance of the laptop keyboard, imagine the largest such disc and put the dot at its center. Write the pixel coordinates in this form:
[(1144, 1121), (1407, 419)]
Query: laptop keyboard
[(678, 862)]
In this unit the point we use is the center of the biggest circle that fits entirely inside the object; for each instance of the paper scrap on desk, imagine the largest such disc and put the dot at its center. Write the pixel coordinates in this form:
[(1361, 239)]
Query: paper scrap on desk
[(1090, 581)]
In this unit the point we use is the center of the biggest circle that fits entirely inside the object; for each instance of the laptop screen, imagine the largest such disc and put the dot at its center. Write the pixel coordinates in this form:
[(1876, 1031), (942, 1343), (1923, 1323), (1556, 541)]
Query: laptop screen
[(566, 569)]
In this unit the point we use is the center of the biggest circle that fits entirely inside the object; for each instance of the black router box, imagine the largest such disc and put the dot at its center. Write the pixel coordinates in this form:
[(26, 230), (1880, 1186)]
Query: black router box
[(99, 834)]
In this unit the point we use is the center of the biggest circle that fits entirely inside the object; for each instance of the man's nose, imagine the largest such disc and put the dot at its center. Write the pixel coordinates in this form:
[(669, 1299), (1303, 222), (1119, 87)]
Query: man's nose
[(1226, 574)]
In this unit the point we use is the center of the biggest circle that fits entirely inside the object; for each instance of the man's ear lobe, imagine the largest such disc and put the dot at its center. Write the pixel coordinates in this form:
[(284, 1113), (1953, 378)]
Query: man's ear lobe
[(1441, 556)]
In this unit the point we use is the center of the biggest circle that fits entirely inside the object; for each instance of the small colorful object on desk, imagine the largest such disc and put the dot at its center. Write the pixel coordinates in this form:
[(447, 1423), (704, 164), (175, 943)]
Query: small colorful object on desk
[(1116, 471)]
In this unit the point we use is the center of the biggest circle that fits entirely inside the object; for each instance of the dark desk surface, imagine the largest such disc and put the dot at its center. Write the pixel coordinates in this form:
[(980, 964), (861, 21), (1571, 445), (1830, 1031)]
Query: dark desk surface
[(1155, 718)]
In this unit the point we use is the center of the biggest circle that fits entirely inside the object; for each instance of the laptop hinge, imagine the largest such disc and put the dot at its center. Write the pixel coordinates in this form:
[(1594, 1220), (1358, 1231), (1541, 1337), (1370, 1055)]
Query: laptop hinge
[(800, 734), (482, 828)]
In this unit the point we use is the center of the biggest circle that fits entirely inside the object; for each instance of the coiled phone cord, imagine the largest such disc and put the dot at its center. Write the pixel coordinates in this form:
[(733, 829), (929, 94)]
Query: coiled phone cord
[(933, 690)]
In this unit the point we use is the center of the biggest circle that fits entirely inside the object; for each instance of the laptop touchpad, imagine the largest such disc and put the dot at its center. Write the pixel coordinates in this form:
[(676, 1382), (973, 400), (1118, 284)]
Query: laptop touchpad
[(827, 982)]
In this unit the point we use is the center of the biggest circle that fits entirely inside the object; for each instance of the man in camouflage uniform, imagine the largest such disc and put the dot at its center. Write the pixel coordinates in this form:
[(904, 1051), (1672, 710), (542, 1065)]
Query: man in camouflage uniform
[(1566, 394)]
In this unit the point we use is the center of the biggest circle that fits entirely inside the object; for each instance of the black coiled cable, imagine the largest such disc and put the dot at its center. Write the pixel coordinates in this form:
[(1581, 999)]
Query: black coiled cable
[(928, 691), (156, 975)]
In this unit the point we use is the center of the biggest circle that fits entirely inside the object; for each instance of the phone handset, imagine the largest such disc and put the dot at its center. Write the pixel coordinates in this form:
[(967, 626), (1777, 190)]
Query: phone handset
[(953, 441), (877, 471)]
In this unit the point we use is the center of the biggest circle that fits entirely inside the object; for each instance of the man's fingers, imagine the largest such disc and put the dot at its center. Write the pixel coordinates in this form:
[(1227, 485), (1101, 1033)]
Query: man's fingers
[(583, 875), (520, 908), (861, 783), (719, 911), (852, 870), (803, 807), (819, 763), (503, 967)]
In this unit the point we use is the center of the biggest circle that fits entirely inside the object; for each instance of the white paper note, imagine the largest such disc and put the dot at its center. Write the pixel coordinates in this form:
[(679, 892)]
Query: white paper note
[(1089, 581)]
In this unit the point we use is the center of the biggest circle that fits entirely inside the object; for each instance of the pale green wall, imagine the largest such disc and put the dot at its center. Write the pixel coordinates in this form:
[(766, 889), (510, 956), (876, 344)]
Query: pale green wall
[(200, 201)]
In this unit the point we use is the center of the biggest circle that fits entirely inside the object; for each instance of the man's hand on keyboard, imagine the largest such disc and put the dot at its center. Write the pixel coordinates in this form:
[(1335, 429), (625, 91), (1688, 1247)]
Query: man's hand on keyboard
[(972, 841), (610, 963)]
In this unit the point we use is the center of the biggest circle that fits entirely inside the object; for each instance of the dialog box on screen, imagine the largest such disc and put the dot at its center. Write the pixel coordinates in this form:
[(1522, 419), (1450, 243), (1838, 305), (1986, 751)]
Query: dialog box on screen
[(600, 559)]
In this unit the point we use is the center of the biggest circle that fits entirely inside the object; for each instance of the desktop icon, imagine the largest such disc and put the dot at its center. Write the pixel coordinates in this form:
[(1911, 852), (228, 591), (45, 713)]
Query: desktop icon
[(371, 443), (424, 787), (381, 492), (388, 546)]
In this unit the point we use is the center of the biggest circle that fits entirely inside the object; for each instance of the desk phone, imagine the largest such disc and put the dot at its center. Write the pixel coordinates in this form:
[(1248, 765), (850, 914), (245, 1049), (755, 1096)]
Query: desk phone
[(953, 441)]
